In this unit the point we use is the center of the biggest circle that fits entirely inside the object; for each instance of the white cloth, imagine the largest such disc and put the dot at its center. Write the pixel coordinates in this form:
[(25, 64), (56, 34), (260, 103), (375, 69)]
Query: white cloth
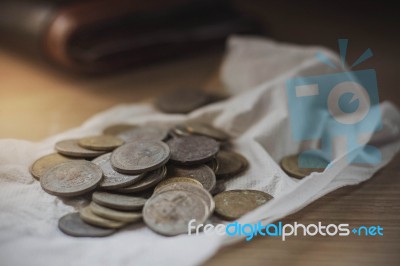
[(255, 71)]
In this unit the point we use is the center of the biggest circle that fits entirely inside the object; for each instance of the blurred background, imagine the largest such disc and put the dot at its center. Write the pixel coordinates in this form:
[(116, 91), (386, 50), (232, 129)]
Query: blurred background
[(62, 61)]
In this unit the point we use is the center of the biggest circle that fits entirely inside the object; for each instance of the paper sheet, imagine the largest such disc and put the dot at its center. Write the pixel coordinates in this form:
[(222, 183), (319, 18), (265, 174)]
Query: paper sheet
[(254, 72)]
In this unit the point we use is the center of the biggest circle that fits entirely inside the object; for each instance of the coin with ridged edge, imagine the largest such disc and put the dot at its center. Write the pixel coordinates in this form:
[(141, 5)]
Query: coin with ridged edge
[(192, 149), (140, 157), (199, 128), (233, 204), (169, 213), (71, 224), (70, 147), (150, 180), (111, 178), (145, 133), (89, 217), (119, 202), (100, 143), (43, 164), (202, 173), (71, 178), (122, 216)]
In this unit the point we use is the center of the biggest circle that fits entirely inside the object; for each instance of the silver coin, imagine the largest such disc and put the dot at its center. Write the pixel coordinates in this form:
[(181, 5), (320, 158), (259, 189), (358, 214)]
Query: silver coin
[(169, 213), (150, 180), (71, 224), (70, 147), (193, 189), (118, 202), (140, 157), (111, 178), (121, 216), (192, 149), (145, 133), (71, 178), (202, 173), (182, 100)]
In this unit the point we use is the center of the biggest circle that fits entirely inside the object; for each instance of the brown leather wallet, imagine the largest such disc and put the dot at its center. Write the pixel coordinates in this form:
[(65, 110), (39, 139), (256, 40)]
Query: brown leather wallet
[(97, 36)]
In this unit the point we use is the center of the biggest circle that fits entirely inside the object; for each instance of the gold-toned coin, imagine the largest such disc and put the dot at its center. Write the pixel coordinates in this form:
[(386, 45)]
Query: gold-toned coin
[(206, 130), (230, 164), (290, 165), (89, 217), (101, 142), (41, 165), (177, 180), (233, 204), (70, 147), (122, 216), (117, 129)]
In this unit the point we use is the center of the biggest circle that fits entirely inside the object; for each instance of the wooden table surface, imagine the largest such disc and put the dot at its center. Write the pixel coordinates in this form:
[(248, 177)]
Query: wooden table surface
[(36, 102)]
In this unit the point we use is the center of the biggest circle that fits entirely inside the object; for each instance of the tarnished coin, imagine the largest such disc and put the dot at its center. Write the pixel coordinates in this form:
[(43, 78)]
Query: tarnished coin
[(193, 189), (233, 204), (290, 165), (177, 179), (118, 202), (213, 164), (71, 224), (169, 213), (230, 164), (145, 133), (41, 165), (122, 216), (71, 147), (140, 157), (89, 217), (149, 180), (71, 178), (192, 149), (100, 143), (117, 129), (182, 101), (206, 130), (219, 187), (202, 173), (111, 178)]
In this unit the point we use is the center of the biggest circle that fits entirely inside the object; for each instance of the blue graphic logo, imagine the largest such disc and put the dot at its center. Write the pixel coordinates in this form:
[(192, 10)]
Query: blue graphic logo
[(340, 106)]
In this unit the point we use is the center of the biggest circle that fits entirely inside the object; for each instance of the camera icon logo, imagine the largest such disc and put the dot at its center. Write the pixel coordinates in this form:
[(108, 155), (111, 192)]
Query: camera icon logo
[(340, 106)]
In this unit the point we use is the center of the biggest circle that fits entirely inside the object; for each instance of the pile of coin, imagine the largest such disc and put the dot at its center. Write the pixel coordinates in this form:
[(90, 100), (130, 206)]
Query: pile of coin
[(164, 176)]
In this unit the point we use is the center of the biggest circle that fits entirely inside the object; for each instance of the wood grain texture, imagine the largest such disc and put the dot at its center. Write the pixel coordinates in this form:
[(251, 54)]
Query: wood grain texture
[(36, 102)]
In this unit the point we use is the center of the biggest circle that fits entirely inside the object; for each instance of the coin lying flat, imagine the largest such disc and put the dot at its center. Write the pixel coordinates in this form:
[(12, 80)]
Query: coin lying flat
[(41, 165), (100, 143), (111, 178), (71, 224), (117, 129), (71, 147), (290, 165), (71, 178), (233, 204), (182, 101), (193, 189), (118, 202), (150, 180), (122, 216), (169, 213), (202, 173), (140, 157), (89, 217), (177, 179), (192, 149), (206, 130), (145, 133), (230, 164)]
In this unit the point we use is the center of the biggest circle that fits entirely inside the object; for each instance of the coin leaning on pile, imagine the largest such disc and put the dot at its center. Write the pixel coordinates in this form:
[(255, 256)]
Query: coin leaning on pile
[(153, 173)]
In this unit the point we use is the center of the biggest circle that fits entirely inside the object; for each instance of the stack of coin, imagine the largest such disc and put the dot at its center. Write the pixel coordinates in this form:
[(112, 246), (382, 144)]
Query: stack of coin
[(169, 172)]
